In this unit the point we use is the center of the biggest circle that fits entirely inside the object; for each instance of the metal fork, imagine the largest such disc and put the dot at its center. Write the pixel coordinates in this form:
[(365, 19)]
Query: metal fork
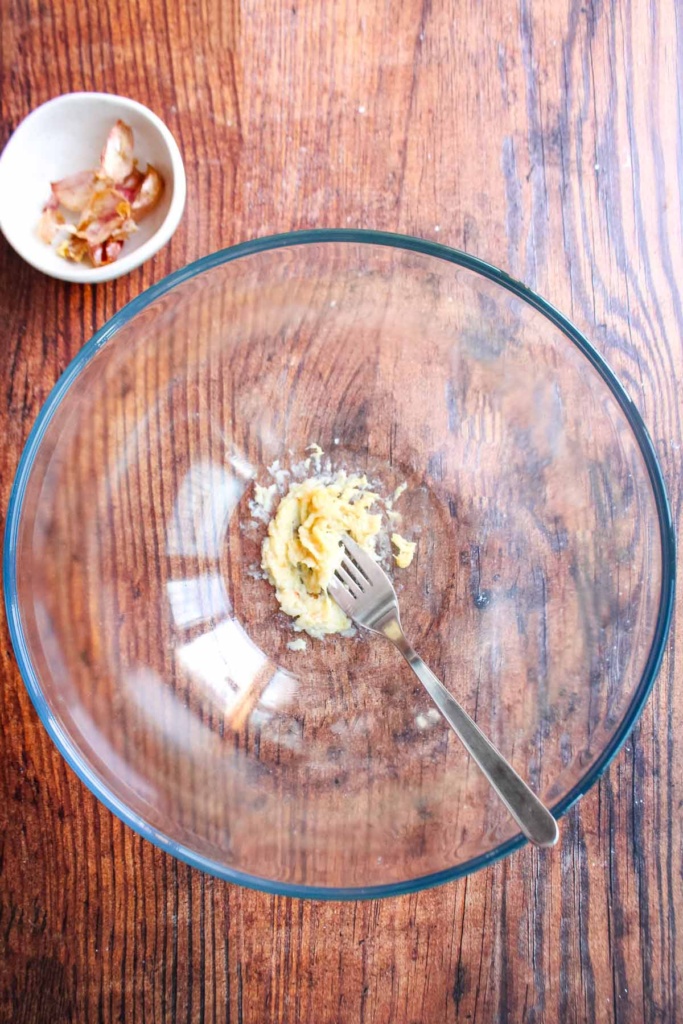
[(364, 592)]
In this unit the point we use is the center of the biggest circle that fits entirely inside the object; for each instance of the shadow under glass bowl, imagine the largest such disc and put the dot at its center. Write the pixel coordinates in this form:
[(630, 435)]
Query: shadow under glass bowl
[(541, 591)]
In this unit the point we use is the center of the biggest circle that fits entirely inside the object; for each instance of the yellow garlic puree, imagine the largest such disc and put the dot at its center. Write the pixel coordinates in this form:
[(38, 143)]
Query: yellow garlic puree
[(405, 549), (302, 551)]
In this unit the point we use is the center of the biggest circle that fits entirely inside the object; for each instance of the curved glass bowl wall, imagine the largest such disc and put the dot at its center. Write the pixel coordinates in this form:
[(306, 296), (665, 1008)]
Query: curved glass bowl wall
[(154, 652)]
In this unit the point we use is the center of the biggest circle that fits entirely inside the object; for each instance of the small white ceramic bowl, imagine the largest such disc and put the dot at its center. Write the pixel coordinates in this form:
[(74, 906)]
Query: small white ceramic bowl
[(66, 135)]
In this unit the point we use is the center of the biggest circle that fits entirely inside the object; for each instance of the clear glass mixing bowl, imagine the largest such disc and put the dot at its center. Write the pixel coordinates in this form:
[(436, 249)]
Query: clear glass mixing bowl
[(155, 654)]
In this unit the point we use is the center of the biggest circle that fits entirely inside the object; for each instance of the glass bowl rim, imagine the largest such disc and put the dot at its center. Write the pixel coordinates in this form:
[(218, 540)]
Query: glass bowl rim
[(68, 748)]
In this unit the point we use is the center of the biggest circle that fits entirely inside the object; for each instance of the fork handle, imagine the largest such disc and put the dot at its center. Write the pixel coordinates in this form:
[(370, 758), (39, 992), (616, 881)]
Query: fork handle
[(534, 819)]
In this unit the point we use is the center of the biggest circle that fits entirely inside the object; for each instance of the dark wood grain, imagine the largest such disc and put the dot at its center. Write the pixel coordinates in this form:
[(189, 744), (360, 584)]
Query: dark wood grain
[(546, 138)]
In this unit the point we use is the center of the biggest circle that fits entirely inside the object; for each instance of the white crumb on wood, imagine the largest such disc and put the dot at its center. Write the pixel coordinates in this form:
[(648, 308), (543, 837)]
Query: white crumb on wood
[(297, 645)]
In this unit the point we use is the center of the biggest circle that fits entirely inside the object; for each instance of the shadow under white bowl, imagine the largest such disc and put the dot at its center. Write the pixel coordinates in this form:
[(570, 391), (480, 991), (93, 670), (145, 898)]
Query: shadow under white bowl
[(66, 135)]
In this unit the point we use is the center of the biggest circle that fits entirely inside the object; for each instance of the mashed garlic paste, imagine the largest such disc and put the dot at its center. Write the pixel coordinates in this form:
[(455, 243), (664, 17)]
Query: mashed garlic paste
[(405, 548), (302, 549)]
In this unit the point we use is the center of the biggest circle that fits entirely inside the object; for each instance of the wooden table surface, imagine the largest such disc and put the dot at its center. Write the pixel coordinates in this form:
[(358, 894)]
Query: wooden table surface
[(545, 137)]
